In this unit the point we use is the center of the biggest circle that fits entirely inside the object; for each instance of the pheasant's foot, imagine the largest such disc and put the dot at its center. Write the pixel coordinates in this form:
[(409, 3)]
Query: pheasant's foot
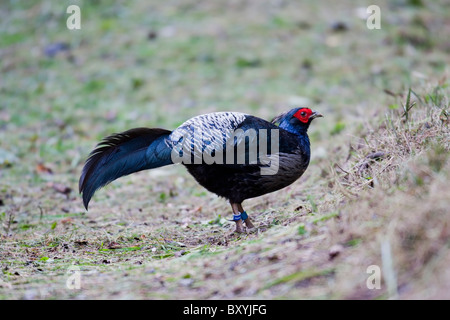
[(250, 226), (248, 222), (239, 226)]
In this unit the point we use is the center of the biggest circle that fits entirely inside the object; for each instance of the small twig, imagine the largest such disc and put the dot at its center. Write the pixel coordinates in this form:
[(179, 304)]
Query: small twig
[(387, 165), (376, 155), (9, 221), (41, 212), (341, 168), (344, 191)]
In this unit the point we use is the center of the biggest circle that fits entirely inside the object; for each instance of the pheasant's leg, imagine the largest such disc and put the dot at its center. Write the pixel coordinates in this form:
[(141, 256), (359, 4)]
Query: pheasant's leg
[(239, 224), (246, 218)]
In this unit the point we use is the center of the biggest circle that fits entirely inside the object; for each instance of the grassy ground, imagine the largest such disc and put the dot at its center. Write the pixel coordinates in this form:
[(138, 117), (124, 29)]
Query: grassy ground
[(376, 192)]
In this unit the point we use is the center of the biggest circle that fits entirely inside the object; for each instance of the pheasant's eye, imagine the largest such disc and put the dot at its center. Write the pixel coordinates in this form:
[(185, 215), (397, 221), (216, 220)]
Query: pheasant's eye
[(303, 115)]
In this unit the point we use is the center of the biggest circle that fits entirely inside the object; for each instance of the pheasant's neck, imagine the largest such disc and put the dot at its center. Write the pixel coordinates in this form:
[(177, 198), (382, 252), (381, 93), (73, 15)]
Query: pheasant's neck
[(300, 130)]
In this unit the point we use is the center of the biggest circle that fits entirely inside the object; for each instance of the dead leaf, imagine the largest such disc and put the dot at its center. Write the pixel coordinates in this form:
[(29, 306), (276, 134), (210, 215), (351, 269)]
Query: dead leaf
[(179, 253), (335, 251), (114, 245), (42, 169), (61, 188), (67, 221)]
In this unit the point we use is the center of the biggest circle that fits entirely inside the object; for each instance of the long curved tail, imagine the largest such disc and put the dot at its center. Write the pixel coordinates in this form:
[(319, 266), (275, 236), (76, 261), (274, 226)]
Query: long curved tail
[(122, 154)]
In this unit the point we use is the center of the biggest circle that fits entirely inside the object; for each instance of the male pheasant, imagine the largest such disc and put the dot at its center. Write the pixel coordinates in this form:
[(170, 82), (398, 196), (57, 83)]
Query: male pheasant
[(232, 154)]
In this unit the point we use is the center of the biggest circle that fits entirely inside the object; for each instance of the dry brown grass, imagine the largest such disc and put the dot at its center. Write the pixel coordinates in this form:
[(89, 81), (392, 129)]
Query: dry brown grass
[(383, 200), (396, 185)]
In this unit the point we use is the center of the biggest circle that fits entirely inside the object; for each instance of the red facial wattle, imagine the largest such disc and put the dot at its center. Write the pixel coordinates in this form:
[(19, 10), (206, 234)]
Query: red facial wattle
[(303, 114)]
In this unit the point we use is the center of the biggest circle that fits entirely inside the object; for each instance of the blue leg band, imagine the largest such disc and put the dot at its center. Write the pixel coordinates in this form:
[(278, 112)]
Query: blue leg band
[(242, 215)]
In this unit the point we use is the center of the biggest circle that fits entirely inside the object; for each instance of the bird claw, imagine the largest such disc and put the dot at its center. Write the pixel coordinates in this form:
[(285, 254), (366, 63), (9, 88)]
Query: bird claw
[(239, 226), (246, 230), (249, 224), (249, 227), (241, 229)]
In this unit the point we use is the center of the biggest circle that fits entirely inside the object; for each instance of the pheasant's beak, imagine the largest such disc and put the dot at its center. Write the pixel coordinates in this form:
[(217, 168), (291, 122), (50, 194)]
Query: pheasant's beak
[(315, 114)]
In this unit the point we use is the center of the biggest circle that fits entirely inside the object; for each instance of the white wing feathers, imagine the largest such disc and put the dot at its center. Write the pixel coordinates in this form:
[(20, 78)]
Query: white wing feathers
[(204, 134)]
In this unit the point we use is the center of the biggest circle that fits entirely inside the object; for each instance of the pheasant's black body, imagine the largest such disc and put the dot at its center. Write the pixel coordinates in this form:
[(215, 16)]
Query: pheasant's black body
[(234, 155)]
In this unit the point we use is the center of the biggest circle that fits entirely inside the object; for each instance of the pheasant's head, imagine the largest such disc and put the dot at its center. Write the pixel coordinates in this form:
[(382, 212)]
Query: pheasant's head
[(296, 120), (306, 115)]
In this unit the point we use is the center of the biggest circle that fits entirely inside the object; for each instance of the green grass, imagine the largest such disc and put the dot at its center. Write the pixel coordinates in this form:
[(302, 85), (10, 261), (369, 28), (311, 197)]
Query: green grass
[(157, 234), (298, 277)]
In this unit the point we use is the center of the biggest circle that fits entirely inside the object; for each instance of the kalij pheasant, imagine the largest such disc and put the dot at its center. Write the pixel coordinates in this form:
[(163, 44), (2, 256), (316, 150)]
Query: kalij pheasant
[(234, 155)]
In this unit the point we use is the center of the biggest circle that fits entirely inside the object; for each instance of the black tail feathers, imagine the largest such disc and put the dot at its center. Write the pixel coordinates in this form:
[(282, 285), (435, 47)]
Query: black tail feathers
[(122, 154)]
